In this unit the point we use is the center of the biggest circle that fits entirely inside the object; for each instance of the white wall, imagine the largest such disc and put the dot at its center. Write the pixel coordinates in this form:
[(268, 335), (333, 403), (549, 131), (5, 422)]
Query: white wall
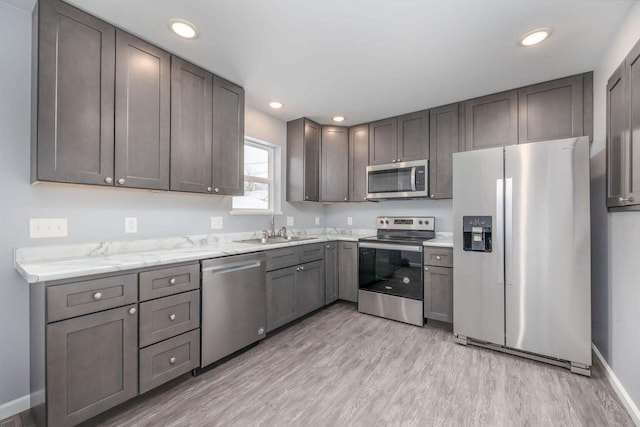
[(615, 239), (93, 213)]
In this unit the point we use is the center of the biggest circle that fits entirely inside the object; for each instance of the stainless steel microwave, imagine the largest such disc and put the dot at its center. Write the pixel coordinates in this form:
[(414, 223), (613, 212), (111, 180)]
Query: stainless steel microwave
[(402, 180)]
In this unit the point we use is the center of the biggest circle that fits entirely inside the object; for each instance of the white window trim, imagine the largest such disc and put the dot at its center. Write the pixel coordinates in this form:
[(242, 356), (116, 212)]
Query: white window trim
[(275, 171)]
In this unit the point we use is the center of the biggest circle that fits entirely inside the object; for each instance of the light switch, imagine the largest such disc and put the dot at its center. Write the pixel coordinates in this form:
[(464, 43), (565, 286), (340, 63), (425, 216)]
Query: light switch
[(131, 224), (349, 220), (289, 221), (216, 223), (48, 227)]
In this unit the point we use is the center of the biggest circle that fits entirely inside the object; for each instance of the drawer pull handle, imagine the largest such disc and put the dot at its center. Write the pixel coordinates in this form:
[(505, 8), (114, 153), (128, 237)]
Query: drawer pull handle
[(97, 295), (132, 310), (172, 281), (172, 360), (172, 317), (426, 269)]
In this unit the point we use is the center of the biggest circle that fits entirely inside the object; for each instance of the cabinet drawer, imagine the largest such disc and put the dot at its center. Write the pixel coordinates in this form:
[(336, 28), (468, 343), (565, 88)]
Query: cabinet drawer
[(90, 296), (281, 258), (169, 316), (169, 359), (169, 281), (311, 252), (440, 257)]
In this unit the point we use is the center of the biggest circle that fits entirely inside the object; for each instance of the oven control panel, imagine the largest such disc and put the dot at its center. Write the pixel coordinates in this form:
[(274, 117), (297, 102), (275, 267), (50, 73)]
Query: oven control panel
[(426, 223)]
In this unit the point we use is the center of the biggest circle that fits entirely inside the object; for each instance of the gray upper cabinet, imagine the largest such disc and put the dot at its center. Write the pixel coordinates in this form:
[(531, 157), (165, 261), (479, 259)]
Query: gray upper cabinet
[(75, 79), (551, 110), (331, 279), (413, 136), (383, 141), (303, 161), (358, 162), (443, 142), (348, 271), (616, 126), (228, 138), (191, 127), (92, 364), (491, 121), (142, 114), (633, 152), (335, 164)]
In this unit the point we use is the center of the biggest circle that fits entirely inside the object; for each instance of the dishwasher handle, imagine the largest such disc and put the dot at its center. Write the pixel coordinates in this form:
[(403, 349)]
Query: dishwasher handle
[(232, 267)]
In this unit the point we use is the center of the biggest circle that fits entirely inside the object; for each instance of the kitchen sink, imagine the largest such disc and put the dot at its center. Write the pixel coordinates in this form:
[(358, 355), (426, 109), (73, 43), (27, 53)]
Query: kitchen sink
[(274, 240)]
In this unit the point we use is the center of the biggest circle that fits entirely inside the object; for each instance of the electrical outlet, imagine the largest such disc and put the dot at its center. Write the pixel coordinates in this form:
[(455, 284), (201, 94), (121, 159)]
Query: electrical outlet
[(216, 223), (349, 220), (317, 220), (289, 221), (48, 227), (131, 224)]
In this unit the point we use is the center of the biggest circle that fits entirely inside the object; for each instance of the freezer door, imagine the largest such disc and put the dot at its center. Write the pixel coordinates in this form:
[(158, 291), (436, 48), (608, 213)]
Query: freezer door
[(478, 277), (547, 249)]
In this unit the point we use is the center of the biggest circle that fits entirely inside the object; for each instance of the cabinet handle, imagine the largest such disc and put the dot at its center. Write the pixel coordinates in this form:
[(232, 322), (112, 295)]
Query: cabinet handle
[(172, 360), (398, 160), (209, 189), (426, 269), (625, 200), (297, 268), (97, 295), (345, 199), (172, 317), (301, 268), (432, 196), (216, 190), (121, 181), (328, 247), (172, 281), (306, 197), (108, 180), (438, 257), (132, 310), (393, 161)]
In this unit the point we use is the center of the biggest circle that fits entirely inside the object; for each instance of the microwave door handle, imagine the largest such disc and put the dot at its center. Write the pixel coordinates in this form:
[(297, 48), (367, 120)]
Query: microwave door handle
[(413, 178)]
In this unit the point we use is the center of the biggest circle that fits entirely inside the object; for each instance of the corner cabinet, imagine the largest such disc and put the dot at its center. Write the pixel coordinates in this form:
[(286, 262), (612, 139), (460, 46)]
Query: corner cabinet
[(623, 134), (303, 161), (335, 164)]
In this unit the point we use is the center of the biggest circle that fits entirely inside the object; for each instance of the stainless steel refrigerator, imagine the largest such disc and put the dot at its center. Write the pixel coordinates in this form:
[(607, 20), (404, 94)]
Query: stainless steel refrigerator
[(521, 273)]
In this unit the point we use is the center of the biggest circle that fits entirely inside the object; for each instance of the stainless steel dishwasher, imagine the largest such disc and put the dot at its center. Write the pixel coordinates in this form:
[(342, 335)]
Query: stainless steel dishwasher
[(233, 305)]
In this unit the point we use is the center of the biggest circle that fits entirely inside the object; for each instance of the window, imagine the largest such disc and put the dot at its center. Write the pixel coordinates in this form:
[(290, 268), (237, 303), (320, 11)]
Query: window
[(259, 178)]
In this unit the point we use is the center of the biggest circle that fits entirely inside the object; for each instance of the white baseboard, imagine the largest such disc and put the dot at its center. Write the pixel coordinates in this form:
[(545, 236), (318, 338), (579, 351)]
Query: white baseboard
[(14, 407), (628, 403)]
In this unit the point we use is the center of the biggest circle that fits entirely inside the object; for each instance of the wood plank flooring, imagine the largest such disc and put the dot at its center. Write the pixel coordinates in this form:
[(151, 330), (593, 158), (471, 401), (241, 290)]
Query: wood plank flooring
[(342, 368)]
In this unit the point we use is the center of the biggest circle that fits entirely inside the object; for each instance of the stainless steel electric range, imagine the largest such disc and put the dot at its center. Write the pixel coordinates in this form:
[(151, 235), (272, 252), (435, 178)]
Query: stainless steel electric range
[(390, 280)]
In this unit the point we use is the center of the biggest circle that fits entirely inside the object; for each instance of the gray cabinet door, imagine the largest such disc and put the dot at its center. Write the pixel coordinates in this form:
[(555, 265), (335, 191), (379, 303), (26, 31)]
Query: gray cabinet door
[(228, 138), (92, 364), (551, 110), (438, 293), (413, 136), (491, 121), (331, 272), (191, 127), (358, 162), (75, 97), (348, 271), (310, 287), (616, 135), (312, 137), (335, 164), (142, 114), (282, 305), (383, 142), (444, 141), (633, 150)]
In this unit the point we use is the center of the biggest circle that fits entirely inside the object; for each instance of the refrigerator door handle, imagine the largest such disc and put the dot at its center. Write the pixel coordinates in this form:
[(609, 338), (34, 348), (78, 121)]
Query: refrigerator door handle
[(508, 238), (499, 229)]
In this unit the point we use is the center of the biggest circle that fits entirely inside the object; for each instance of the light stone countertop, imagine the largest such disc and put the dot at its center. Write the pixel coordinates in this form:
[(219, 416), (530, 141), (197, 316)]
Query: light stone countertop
[(49, 263), (442, 239)]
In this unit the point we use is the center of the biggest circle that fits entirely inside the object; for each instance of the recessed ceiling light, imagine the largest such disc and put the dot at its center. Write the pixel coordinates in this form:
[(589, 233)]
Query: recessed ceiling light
[(338, 119), (275, 104), (183, 28), (535, 36)]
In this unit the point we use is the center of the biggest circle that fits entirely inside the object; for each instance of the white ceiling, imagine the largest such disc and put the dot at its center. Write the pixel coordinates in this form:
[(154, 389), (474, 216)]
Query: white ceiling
[(370, 59)]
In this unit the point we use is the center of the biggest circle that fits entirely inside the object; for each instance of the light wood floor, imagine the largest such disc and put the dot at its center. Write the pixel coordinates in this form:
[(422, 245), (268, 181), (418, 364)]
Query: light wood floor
[(339, 367)]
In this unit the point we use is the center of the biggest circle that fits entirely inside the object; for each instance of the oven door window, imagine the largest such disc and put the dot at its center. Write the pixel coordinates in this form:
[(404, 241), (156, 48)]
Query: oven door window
[(390, 181), (392, 272)]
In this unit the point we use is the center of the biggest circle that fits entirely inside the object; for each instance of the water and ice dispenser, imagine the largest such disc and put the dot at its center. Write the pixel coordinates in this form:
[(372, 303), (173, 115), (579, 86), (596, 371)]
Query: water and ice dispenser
[(476, 233)]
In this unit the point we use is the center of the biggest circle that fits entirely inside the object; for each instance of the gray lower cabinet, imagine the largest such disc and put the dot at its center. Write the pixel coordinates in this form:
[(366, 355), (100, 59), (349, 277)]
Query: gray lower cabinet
[(438, 284), (491, 121), (228, 138), (281, 297), (142, 126), (311, 287), (335, 164), (383, 141), (358, 162), (331, 278), (413, 136), (443, 142), (303, 161), (74, 77), (191, 127), (555, 109), (92, 364), (348, 271)]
